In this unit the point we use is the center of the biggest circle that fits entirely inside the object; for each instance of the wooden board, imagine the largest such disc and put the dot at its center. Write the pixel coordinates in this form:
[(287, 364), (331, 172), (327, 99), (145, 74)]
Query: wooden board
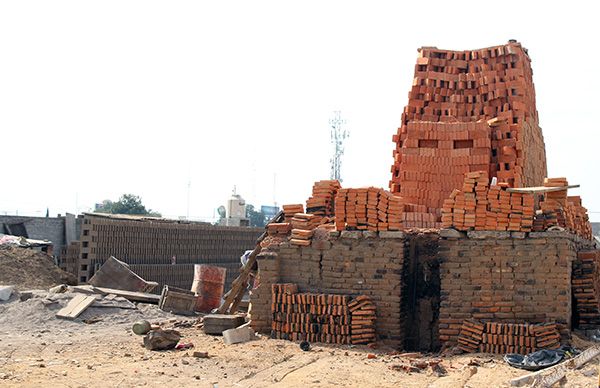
[(539, 189), (130, 295), (76, 306)]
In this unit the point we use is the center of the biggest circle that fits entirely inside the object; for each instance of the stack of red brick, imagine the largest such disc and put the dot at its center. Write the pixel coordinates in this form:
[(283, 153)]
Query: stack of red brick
[(585, 283), (321, 202), (468, 111), (377, 209), (310, 317), (290, 210), (557, 209), (303, 225), (493, 337), (481, 207)]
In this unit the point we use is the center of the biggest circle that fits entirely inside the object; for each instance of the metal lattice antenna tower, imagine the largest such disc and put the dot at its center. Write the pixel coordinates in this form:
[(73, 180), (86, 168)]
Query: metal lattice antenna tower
[(338, 135)]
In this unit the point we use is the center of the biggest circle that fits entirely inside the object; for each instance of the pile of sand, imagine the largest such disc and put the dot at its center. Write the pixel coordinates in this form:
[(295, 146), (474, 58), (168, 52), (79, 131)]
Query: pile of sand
[(30, 269)]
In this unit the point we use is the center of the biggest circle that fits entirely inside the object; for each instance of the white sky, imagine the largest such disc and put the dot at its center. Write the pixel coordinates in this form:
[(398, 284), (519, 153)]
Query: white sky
[(113, 97)]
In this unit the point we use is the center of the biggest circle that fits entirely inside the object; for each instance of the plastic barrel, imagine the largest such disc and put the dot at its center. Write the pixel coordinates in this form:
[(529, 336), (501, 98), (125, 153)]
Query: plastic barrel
[(209, 282)]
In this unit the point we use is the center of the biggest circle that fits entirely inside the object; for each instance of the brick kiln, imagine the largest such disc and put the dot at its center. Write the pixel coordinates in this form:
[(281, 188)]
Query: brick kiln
[(514, 268)]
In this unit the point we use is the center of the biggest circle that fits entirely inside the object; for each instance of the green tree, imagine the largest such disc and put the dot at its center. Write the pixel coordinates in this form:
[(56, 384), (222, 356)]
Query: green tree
[(257, 218), (127, 204)]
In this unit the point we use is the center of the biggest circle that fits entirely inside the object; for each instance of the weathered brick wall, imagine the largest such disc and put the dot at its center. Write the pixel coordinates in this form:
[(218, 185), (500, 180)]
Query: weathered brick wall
[(149, 245), (505, 277), (351, 262)]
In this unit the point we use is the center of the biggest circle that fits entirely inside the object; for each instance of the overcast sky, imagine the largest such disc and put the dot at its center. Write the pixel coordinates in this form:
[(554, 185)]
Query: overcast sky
[(103, 98)]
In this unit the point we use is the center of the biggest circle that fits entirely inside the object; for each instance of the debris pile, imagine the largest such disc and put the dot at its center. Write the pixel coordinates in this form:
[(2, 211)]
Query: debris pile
[(30, 269)]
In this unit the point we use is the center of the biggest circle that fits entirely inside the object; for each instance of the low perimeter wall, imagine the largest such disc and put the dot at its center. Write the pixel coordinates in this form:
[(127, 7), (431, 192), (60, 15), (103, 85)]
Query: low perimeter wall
[(505, 277)]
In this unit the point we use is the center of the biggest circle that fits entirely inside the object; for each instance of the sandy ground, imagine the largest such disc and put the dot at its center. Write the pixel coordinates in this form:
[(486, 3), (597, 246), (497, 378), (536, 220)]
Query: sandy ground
[(36, 349)]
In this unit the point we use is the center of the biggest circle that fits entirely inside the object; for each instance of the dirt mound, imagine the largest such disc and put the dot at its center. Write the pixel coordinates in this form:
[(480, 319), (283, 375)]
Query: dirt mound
[(29, 269)]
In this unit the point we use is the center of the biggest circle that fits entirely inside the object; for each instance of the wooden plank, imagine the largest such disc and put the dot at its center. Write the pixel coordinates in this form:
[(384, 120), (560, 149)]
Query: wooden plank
[(539, 189), (238, 287), (76, 306), (130, 295)]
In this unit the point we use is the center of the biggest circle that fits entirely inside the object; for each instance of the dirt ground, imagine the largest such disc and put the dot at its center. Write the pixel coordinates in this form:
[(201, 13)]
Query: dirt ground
[(27, 268), (37, 349)]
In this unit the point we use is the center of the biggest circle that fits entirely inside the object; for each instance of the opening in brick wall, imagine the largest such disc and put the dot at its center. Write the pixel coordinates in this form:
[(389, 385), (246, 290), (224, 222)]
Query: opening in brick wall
[(423, 143), (463, 144)]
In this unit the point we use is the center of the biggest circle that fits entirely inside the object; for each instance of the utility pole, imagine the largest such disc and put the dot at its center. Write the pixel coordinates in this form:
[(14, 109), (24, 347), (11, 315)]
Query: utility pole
[(338, 135)]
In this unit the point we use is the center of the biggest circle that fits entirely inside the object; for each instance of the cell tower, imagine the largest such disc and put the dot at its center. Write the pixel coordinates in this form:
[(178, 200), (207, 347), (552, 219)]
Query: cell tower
[(338, 135)]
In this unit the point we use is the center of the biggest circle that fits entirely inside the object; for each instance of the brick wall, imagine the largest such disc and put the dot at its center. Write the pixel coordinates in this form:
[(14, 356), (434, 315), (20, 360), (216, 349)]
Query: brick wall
[(350, 263), (505, 277), (149, 244)]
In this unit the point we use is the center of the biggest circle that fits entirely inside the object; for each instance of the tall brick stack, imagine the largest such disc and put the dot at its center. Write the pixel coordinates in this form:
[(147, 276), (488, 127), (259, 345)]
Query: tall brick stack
[(473, 110), (585, 280), (481, 207)]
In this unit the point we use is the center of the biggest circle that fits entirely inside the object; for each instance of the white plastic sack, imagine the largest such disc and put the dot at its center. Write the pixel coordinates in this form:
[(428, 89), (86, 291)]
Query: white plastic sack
[(6, 292)]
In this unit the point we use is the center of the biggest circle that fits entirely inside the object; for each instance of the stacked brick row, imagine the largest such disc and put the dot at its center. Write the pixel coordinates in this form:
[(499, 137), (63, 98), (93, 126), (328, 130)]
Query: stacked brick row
[(489, 92), (309, 317), (585, 281), (481, 207), (349, 263), (493, 337), (376, 209), (557, 209), (363, 313), (303, 226), (69, 257), (321, 202), (290, 210), (156, 242), (505, 278)]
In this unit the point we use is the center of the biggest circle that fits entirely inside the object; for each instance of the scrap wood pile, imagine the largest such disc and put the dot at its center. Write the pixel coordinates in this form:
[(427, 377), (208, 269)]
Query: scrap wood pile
[(321, 317), (585, 280), (500, 338)]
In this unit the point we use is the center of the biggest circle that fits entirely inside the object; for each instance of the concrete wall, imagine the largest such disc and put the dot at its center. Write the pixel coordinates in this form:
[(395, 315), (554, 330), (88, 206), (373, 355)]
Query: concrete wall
[(40, 228), (350, 263), (505, 277)]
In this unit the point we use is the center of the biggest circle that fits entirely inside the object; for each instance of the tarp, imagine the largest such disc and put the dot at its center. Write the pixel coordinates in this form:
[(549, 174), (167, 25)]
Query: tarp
[(540, 359)]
